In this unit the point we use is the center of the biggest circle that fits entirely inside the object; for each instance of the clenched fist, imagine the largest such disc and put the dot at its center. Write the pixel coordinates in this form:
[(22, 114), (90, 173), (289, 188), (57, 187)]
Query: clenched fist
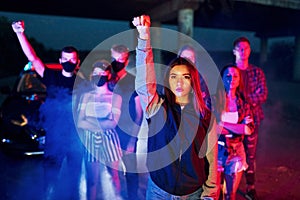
[(142, 24), (18, 26)]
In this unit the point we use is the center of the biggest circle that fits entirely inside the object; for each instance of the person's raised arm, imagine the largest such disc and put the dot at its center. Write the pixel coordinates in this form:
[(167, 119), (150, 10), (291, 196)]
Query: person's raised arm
[(145, 82), (29, 52)]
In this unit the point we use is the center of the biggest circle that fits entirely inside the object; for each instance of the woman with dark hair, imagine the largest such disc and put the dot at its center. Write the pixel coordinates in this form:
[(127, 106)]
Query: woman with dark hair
[(194, 87), (187, 51), (179, 124), (235, 119), (99, 112)]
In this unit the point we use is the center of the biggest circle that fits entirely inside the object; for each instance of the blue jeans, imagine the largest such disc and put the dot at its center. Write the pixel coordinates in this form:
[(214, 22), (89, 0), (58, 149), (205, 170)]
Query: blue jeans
[(155, 193)]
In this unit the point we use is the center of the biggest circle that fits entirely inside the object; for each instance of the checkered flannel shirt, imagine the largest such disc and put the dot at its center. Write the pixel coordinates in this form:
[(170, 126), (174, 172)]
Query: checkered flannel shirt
[(256, 90)]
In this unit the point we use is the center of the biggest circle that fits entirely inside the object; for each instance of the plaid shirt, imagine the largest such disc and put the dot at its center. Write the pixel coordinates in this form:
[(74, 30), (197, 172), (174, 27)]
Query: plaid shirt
[(255, 90)]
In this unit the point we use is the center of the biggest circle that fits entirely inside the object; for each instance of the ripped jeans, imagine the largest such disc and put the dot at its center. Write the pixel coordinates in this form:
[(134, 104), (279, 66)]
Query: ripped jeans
[(250, 143)]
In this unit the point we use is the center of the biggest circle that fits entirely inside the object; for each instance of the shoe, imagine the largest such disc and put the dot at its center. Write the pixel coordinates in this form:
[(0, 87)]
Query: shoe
[(251, 195)]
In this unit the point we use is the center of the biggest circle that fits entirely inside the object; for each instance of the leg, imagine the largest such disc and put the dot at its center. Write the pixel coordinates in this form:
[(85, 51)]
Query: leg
[(74, 171), (52, 163), (117, 175), (222, 186), (222, 157), (232, 184), (250, 144), (52, 166), (229, 185), (132, 177), (113, 181), (93, 179)]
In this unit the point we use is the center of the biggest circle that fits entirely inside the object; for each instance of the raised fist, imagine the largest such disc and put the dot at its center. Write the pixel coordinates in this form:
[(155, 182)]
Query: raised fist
[(143, 20), (142, 24), (18, 26)]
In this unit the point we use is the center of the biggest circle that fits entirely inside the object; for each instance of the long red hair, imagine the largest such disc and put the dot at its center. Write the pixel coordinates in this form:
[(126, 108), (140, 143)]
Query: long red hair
[(195, 95)]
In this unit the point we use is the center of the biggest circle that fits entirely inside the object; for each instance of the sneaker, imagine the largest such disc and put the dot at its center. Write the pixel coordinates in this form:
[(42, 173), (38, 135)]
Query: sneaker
[(251, 195)]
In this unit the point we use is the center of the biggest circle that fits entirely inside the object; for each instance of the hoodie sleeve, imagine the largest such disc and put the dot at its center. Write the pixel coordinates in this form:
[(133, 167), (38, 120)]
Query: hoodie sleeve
[(145, 81), (210, 187)]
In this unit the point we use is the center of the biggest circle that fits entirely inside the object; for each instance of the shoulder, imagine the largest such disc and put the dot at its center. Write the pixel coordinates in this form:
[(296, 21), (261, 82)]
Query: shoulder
[(243, 104), (256, 69), (126, 85), (81, 82), (87, 95), (116, 97), (51, 72), (129, 77)]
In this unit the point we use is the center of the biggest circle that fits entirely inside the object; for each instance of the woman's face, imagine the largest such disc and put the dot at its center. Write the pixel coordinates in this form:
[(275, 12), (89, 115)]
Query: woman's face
[(180, 81), (188, 54), (231, 78)]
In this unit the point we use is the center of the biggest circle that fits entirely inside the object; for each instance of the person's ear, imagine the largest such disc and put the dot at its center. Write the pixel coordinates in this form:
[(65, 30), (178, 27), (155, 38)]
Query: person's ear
[(59, 60), (113, 54), (233, 51)]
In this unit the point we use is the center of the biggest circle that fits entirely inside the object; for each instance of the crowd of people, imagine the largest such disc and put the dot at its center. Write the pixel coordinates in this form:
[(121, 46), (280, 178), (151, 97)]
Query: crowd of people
[(199, 144)]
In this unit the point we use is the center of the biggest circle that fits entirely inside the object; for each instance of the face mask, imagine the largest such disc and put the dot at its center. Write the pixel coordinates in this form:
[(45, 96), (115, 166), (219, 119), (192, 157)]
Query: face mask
[(117, 66), (99, 81), (68, 66)]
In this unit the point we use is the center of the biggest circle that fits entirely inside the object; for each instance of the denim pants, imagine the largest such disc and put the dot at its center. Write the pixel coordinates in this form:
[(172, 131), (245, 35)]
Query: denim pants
[(250, 144), (156, 193)]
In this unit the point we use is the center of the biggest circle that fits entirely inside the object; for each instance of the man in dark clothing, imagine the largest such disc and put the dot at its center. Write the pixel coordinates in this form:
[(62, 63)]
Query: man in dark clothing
[(62, 140), (131, 116)]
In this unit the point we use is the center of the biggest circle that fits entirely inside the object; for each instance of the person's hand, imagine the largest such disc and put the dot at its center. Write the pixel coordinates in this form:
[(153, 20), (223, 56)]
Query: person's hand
[(18, 26), (221, 129), (247, 120), (142, 24)]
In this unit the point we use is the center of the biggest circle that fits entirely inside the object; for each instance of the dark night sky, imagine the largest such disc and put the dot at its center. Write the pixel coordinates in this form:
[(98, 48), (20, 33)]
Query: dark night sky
[(88, 33)]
